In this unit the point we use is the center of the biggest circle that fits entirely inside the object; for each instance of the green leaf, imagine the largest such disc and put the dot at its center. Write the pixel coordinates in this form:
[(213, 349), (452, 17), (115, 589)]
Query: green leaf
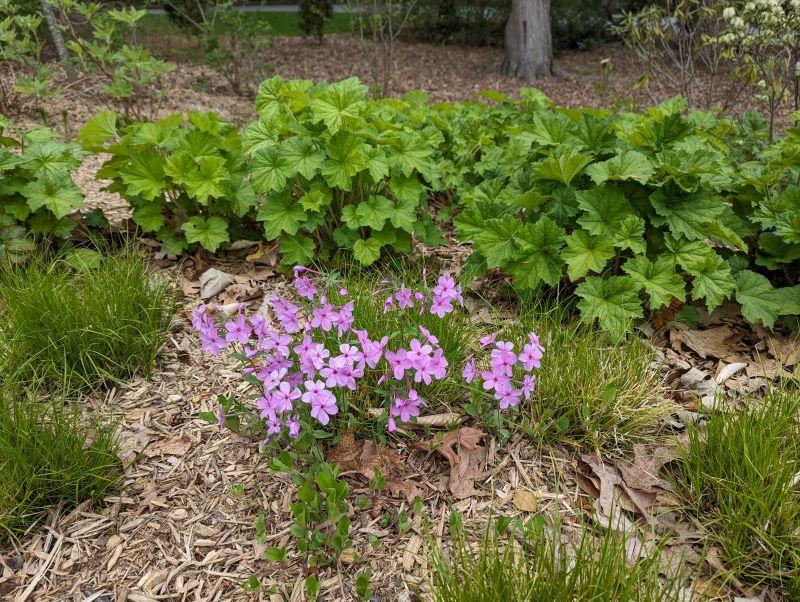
[(374, 212), (376, 162), (149, 217), (144, 175), (408, 189), (629, 165), (790, 300), (686, 215), (404, 214), (630, 235), (275, 554), (759, 300), (270, 169), (496, 240), (303, 156), (367, 251), (562, 168), (98, 130), (280, 214), (207, 180), (297, 249), (241, 196), (317, 197), (688, 252), (210, 233), (538, 258), (409, 154), (659, 279), (57, 193), (340, 104), (83, 260), (713, 280), (345, 160), (604, 209), (612, 301), (260, 135), (586, 253)]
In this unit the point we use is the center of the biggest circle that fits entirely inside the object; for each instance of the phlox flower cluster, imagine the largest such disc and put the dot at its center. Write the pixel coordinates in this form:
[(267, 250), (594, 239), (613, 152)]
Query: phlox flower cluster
[(306, 355), (509, 377)]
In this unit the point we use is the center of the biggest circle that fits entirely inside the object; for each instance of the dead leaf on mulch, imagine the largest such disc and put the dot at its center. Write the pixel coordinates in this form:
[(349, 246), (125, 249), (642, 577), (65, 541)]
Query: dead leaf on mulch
[(721, 342), (525, 500), (239, 293), (785, 349), (467, 459), (633, 486), (363, 457), (213, 281), (171, 446)]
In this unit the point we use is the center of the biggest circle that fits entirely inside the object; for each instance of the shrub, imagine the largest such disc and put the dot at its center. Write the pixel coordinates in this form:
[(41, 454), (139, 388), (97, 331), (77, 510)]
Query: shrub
[(49, 457), (80, 319), (313, 15), (36, 189), (337, 170), (739, 473), (636, 205), (538, 564), (185, 179)]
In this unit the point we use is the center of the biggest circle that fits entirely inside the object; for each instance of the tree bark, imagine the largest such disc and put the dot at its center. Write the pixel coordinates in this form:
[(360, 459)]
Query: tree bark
[(58, 40), (529, 48)]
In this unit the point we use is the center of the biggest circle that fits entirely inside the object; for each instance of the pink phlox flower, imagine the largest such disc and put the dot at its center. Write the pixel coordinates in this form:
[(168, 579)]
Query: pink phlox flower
[(503, 358), (404, 297), (305, 287), (343, 292), (388, 304), (298, 269), (407, 408), (493, 380), (508, 397), (293, 426), (531, 356), (419, 354), (266, 405), (323, 407), (286, 313), (212, 342), (373, 350), (283, 397), (322, 317), (441, 307), (469, 371), (250, 352), (338, 373), (317, 355), (202, 317), (350, 353), (428, 336), (398, 362), (273, 425), (260, 326), (343, 319), (528, 385), (488, 340)]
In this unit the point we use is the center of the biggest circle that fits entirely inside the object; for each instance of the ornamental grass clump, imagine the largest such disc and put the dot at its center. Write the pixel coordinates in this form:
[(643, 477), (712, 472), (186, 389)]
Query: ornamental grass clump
[(313, 358), (49, 458), (82, 319)]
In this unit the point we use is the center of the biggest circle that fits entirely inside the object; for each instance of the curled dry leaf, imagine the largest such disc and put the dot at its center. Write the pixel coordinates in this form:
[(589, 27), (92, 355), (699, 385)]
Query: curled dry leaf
[(213, 281), (363, 457), (722, 342), (171, 446), (467, 459), (525, 500)]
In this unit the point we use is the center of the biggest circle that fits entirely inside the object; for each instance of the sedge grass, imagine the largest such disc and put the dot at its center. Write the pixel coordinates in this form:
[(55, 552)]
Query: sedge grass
[(739, 477), (49, 458), (542, 566), (82, 328)]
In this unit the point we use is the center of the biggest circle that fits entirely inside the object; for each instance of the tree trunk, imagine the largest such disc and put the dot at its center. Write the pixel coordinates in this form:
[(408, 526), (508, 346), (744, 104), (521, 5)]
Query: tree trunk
[(529, 49), (58, 40)]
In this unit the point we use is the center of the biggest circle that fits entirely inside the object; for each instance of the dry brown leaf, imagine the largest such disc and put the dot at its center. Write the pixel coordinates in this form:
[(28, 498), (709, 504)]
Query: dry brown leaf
[(785, 349), (213, 281), (525, 500), (461, 449), (721, 342), (239, 293), (642, 473), (171, 446), (364, 457)]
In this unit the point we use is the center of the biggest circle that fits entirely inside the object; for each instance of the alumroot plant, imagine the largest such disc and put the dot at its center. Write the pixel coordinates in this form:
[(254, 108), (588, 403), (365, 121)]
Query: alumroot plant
[(307, 355)]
